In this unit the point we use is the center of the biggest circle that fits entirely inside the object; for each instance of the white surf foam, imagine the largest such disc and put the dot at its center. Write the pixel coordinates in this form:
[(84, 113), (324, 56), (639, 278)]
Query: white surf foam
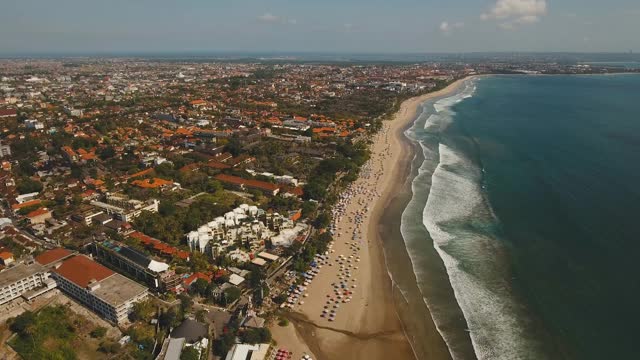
[(433, 123), (479, 284), (494, 331)]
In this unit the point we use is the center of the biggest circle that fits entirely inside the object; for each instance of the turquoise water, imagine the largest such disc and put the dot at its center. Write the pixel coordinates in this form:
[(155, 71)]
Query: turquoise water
[(529, 193)]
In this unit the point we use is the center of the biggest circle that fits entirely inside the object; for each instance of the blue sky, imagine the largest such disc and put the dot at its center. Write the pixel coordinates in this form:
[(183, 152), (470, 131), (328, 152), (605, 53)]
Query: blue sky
[(36, 26)]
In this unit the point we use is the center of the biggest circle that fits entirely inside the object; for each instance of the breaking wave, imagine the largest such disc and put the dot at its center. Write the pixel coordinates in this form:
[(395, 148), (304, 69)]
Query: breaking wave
[(448, 192)]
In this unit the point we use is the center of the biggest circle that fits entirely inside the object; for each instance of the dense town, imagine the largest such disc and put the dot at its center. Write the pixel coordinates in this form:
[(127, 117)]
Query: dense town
[(175, 209)]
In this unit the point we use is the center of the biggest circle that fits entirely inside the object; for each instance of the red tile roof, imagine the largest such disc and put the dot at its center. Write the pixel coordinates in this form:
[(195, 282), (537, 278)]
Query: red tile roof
[(148, 184), (262, 185), (25, 204), (80, 270), (141, 173), (218, 165), (193, 278), (8, 112), (159, 246), (52, 256), (38, 212)]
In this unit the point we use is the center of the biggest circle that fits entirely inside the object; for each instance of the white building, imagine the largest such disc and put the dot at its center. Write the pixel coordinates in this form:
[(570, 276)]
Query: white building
[(33, 124), (124, 209), (5, 150), (109, 294), (247, 226), (241, 225), (22, 278), (248, 352), (26, 197)]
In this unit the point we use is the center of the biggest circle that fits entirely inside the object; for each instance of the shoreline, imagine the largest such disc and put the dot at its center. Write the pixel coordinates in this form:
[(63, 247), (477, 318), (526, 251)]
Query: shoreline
[(369, 326)]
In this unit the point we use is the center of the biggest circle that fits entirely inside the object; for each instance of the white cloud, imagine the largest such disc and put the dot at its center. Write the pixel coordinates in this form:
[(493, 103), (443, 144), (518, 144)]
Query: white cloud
[(512, 13), (447, 28), (270, 18)]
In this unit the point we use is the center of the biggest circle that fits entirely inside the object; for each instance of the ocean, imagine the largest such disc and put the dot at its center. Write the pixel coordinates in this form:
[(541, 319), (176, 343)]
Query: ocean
[(521, 223)]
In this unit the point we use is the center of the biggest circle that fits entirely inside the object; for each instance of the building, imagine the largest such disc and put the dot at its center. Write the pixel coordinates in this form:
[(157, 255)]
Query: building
[(237, 226), (266, 187), (8, 113), (138, 265), (160, 248), (85, 215), (6, 258), (51, 258), (34, 124), (23, 278), (107, 293), (190, 333), (5, 150), (39, 216), (124, 209), (248, 352), (21, 199)]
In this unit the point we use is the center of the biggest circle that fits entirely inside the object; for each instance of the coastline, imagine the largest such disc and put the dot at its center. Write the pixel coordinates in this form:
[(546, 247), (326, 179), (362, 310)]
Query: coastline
[(359, 332)]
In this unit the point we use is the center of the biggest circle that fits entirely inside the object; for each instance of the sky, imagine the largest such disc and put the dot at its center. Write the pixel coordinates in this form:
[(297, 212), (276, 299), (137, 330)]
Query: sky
[(335, 26)]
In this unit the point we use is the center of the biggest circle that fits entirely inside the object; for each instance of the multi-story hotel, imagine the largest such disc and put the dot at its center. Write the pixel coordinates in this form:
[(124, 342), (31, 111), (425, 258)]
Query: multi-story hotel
[(22, 279), (109, 294)]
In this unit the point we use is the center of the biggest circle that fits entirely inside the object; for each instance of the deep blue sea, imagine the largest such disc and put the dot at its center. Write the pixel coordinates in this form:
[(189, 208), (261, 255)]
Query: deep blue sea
[(530, 194)]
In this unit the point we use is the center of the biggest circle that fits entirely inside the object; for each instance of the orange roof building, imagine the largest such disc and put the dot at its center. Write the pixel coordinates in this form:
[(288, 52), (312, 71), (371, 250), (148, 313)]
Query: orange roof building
[(81, 270), (52, 256), (16, 207), (154, 183), (264, 186), (141, 173), (195, 276), (160, 247), (109, 294)]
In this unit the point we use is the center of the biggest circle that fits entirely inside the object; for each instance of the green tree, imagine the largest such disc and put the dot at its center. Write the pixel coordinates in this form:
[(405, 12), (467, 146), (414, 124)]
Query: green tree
[(189, 353), (200, 287), (186, 303), (109, 347), (98, 332), (107, 153), (142, 310), (323, 220), (26, 185), (167, 208), (234, 146), (309, 208), (223, 344), (231, 294), (168, 318)]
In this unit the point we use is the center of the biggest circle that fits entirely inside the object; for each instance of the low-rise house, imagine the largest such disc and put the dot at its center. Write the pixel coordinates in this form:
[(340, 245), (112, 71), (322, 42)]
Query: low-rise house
[(39, 216), (266, 187), (248, 352), (6, 258)]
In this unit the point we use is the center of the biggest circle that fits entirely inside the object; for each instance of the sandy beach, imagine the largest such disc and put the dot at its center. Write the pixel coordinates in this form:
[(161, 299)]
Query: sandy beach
[(349, 312)]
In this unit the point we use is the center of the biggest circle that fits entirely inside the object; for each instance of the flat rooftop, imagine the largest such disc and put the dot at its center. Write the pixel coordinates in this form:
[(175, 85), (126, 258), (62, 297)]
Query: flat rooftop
[(117, 289), (19, 272)]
